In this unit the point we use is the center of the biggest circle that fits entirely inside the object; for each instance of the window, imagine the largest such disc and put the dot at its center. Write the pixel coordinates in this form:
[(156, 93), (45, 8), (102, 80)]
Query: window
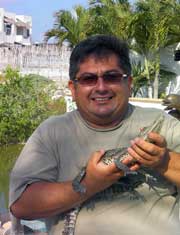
[(26, 33), (177, 55), (19, 30), (7, 28)]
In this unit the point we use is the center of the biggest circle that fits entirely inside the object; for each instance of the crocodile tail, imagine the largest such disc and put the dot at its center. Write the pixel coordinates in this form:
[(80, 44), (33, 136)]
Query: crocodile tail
[(70, 221)]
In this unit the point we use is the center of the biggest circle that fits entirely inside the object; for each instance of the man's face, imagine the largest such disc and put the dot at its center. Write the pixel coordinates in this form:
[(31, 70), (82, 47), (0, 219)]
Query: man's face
[(102, 104)]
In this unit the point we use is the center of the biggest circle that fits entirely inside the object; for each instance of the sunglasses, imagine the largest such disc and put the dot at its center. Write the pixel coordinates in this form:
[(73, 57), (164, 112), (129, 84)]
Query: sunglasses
[(109, 78)]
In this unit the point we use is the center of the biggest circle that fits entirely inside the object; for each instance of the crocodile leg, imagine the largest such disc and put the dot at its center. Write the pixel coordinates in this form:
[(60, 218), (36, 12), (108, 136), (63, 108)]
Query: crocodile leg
[(123, 167)]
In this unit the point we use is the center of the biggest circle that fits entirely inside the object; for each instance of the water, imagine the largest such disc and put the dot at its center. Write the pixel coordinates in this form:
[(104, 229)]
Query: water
[(8, 155)]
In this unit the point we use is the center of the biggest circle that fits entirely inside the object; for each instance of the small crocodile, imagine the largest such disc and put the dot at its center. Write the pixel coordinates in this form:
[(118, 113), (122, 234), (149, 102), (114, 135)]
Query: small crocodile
[(116, 155)]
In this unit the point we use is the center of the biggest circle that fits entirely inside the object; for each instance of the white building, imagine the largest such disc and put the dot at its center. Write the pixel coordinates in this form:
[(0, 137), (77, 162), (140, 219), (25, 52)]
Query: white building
[(170, 57), (15, 28)]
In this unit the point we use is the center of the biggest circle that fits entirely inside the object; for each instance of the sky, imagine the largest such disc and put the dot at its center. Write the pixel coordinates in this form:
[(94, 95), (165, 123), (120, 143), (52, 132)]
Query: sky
[(41, 12)]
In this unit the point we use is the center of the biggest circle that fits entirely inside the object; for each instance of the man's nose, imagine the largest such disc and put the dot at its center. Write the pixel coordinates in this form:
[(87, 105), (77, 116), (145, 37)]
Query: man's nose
[(101, 84)]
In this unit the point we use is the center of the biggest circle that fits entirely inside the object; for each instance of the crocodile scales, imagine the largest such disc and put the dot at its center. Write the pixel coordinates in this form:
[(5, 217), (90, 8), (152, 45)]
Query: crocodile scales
[(116, 155)]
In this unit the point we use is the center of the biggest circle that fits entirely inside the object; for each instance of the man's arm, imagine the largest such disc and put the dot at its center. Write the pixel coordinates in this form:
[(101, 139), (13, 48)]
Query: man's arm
[(44, 199), (171, 170)]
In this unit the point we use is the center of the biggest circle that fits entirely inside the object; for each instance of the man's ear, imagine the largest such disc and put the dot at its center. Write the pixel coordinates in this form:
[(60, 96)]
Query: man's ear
[(130, 84), (130, 81), (72, 88)]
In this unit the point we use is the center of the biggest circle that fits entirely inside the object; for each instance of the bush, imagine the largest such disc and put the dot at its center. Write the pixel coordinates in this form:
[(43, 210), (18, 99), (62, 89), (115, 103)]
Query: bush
[(24, 104)]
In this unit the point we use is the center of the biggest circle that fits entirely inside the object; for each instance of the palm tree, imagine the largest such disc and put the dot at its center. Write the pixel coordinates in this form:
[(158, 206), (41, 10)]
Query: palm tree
[(111, 17), (71, 26), (151, 26), (154, 26)]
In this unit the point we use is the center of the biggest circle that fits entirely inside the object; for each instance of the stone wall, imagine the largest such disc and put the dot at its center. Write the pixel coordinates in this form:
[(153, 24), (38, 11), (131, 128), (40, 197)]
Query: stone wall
[(47, 60)]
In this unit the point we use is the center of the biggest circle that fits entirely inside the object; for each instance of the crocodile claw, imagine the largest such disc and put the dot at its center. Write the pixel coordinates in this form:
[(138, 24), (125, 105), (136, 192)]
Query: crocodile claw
[(124, 168)]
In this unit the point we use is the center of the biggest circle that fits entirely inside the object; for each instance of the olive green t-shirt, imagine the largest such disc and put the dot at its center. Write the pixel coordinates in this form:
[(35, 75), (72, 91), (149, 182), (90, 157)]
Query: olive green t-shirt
[(62, 145)]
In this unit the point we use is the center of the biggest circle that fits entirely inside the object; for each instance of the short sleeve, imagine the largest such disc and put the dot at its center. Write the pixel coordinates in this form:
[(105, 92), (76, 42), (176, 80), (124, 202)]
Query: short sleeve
[(171, 132), (37, 162)]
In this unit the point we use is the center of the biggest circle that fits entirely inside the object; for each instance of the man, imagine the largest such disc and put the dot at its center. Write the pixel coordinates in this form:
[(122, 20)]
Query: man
[(43, 176)]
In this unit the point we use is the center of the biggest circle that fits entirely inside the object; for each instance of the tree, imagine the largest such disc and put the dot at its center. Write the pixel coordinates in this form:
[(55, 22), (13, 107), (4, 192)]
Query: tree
[(154, 26), (71, 26), (111, 17), (24, 104), (149, 27), (102, 17)]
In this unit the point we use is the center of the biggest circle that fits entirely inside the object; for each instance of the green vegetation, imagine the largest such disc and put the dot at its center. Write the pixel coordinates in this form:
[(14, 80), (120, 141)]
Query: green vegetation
[(25, 101), (153, 27), (72, 26), (147, 26), (8, 155)]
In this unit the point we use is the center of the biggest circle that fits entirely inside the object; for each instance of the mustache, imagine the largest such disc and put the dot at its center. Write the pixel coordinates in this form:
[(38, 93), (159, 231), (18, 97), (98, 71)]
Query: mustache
[(102, 92)]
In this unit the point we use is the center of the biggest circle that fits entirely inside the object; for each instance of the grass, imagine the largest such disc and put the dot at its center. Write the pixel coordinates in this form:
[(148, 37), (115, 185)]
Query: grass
[(8, 155)]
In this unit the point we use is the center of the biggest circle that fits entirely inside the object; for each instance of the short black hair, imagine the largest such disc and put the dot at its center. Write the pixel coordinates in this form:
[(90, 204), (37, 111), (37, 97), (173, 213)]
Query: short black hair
[(99, 46)]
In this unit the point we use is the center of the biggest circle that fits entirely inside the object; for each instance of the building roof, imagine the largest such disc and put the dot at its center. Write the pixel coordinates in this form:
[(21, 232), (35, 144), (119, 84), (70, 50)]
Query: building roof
[(20, 23), (8, 20)]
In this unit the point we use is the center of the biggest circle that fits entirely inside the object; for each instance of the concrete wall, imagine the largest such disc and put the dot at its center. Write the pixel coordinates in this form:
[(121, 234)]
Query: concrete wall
[(167, 59), (47, 60)]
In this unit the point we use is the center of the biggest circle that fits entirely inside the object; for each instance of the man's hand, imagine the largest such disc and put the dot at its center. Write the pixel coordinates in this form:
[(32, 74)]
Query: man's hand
[(99, 175), (151, 154)]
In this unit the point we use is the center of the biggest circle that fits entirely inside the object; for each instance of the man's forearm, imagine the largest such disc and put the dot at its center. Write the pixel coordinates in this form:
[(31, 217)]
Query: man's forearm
[(171, 168), (44, 199)]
